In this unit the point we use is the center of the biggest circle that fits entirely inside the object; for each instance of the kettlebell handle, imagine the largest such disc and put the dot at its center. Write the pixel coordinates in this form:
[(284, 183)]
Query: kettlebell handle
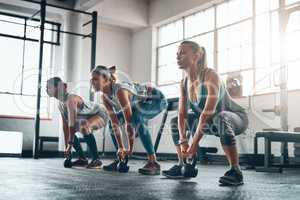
[(192, 161)]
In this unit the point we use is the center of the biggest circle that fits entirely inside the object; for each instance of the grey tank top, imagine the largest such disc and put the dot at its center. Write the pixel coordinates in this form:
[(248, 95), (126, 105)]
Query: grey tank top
[(86, 109), (224, 103), (138, 91)]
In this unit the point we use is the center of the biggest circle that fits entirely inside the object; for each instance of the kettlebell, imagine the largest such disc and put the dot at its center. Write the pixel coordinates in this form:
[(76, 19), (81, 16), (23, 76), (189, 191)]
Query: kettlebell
[(189, 169), (122, 166), (68, 162)]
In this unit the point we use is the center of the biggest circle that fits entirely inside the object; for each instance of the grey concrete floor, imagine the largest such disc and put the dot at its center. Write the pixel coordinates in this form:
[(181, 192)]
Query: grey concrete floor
[(46, 179)]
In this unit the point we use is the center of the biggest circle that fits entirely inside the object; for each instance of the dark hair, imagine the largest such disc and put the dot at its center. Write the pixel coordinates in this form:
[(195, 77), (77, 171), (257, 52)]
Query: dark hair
[(55, 81), (107, 72)]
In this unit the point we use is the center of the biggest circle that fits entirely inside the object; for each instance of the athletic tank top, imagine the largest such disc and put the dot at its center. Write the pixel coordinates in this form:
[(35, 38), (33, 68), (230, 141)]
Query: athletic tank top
[(86, 109), (139, 92), (224, 103)]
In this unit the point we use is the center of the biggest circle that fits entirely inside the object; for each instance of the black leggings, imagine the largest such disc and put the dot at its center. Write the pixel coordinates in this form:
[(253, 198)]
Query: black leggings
[(225, 125)]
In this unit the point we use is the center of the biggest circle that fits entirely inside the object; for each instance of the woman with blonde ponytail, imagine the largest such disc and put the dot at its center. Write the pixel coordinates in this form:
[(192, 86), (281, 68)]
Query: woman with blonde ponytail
[(132, 105), (213, 111)]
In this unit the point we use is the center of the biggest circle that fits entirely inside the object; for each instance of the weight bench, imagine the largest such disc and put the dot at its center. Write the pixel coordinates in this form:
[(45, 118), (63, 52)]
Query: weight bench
[(269, 137), (43, 139)]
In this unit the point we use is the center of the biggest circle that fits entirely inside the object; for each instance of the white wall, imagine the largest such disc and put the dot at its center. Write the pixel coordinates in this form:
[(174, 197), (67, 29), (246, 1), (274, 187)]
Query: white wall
[(140, 70), (125, 13), (161, 10)]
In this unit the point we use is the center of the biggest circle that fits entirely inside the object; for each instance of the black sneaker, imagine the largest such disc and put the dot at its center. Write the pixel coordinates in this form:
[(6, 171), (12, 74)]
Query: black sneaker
[(81, 162), (94, 164), (174, 172), (232, 178), (112, 167), (151, 168)]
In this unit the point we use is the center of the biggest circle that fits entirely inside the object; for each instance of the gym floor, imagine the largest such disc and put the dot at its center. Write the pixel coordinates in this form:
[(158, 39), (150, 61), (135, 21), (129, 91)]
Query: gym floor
[(47, 179)]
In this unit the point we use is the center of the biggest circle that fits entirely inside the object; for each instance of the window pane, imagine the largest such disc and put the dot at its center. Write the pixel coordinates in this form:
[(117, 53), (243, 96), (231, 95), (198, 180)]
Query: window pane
[(246, 56), (235, 47), (262, 55), (207, 41), (11, 25), (170, 33), (293, 37), (199, 22), (262, 25), (33, 31), (11, 61), (247, 82), (264, 79), (287, 2), (275, 46), (235, 35), (170, 91), (293, 75), (222, 62), (233, 11), (294, 22), (262, 6), (169, 74), (23, 106), (167, 54), (292, 46), (234, 59), (31, 66)]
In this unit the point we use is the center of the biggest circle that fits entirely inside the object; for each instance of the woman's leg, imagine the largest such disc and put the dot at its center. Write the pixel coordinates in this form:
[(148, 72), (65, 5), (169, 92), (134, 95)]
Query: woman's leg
[(229, 125), (86, 128), (146, 140)]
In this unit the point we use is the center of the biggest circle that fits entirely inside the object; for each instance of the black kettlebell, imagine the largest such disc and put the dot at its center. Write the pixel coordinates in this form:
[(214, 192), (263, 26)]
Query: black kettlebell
[(189, 169), (68, 162), (122, 166)]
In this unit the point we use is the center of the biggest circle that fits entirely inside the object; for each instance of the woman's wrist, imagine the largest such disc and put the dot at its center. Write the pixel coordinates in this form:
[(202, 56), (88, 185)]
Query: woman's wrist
[(183, 141)]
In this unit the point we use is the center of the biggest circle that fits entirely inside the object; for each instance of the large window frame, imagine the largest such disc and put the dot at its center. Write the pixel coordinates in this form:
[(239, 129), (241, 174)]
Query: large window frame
[(253, 68), (21, 94)]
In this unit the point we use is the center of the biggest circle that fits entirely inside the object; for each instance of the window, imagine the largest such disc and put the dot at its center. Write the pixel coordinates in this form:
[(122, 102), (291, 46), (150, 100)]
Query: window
[(20, 59), (246, 36)]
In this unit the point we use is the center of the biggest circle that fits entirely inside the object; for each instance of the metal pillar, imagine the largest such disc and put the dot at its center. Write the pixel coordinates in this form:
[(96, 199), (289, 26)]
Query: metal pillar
[(38, 104), (93, 47)]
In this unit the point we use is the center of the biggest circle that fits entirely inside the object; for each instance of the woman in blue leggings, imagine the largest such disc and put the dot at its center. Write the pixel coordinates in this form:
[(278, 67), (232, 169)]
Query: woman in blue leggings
[(132, 105)]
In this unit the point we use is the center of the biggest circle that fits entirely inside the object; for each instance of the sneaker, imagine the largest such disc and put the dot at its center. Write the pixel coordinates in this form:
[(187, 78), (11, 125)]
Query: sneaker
[(151, 168), (232, 178), (81, 162), (174, 172), (112, 167), (94, 164)]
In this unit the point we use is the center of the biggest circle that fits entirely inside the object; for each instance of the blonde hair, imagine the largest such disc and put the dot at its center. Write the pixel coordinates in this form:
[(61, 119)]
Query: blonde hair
[(202, 62), (107, 72)]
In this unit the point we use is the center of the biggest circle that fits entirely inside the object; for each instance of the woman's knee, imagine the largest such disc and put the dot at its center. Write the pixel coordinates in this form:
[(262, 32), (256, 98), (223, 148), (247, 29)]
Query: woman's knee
[(84, 128), (224, 129), (228, 140)]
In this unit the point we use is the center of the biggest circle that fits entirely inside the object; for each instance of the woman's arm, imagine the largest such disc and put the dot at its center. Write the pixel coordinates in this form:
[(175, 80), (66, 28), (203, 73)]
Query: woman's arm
[(182, 113), (65, 130), (115, 123), (123, 97), (72, 104)]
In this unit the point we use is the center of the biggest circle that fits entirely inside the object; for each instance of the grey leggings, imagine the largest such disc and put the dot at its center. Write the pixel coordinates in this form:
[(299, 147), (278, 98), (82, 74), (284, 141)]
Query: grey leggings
[(224, 124)]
